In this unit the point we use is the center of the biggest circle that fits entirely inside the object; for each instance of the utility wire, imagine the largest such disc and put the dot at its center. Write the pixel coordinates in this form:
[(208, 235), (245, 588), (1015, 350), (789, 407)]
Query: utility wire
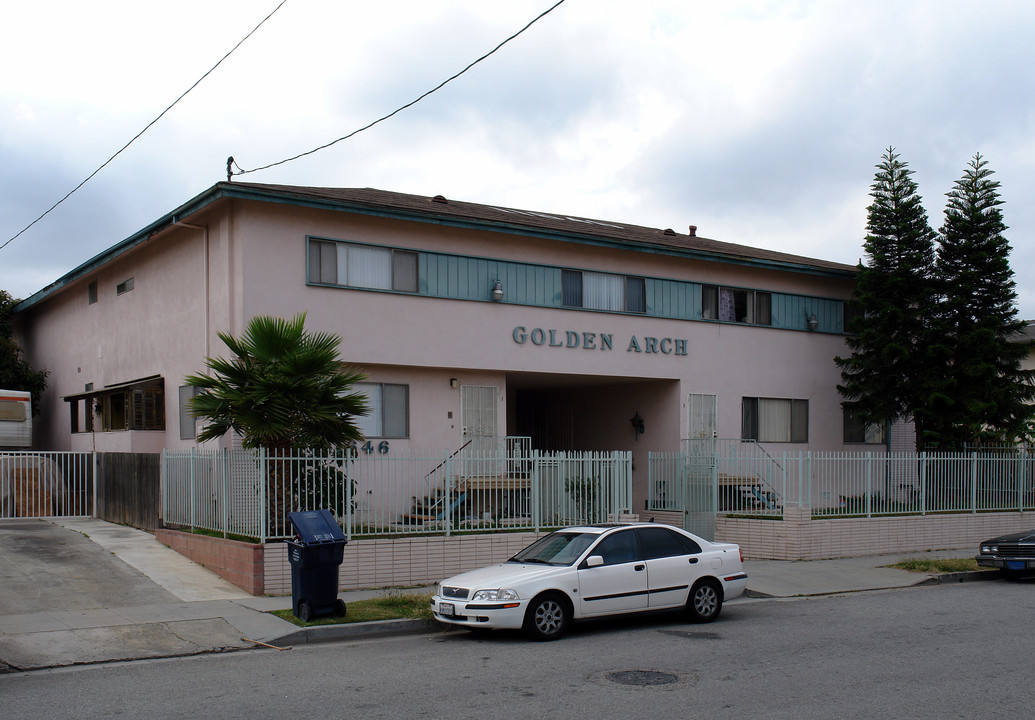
[(147, 127), (397, 110)]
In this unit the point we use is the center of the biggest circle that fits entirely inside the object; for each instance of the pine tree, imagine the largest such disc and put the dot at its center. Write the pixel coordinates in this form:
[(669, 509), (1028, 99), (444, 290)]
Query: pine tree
[(988, 391), (891, 334)]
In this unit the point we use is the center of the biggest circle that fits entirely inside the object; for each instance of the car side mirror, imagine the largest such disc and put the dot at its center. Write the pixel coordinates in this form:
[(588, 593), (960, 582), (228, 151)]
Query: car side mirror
[(594, 561)]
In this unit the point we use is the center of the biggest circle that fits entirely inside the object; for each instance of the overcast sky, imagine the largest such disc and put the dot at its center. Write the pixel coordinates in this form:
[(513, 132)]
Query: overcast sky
[(758, 122)]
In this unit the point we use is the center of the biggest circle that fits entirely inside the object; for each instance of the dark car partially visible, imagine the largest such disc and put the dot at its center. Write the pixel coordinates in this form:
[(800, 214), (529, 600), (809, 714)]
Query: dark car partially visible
[(1014, 554)]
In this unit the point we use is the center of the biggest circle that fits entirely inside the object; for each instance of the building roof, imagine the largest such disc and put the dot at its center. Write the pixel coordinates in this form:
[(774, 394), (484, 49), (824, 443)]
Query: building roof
[(492, 218)]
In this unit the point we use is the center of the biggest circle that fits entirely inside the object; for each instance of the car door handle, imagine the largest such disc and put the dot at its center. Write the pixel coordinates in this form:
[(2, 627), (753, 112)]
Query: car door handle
[(638, 568), (693, 561)]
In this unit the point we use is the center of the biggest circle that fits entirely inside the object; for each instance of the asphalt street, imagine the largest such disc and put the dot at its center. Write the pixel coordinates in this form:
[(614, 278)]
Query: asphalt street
[(76, 591), (947, 651)]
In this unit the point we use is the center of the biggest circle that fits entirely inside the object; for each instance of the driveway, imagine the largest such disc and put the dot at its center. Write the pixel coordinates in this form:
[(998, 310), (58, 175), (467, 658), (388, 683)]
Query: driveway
[(45, 567)]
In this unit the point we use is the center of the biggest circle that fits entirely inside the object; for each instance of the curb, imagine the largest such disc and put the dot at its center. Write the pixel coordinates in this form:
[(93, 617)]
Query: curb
[(356, 631), (397, 628), (959, 577)]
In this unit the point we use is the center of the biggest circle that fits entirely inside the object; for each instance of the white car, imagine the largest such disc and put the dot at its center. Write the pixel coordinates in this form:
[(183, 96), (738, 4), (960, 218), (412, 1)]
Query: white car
[(593, 571)]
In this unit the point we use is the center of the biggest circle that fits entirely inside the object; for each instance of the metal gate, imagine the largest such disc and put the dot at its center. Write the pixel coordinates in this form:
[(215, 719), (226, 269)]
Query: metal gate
[(46, 484), (685, 483)]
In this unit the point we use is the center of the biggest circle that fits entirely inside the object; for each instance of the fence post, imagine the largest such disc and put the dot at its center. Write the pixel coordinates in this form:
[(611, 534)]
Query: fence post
[(973, 482), (190, 476), (1019, 475), (448, 504), (349, 497), (869, 484), (783, 481), (224, 516), (923, 483), (260, 455), (93, 472), (534, 490)]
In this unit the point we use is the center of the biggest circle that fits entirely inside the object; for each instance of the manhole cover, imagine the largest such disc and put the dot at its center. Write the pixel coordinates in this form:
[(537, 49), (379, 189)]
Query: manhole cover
[(641, 678)]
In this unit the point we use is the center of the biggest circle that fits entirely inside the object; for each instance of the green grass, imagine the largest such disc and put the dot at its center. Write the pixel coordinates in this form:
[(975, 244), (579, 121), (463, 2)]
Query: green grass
[(937, 565), (391, 606)]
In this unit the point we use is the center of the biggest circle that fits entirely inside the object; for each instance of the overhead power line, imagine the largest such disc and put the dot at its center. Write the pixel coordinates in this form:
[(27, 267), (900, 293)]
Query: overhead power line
[(146, 127), (540, 16)]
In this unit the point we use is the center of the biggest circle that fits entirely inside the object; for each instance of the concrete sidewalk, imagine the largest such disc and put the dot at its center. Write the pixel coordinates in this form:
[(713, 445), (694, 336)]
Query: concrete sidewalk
[(85, 591)]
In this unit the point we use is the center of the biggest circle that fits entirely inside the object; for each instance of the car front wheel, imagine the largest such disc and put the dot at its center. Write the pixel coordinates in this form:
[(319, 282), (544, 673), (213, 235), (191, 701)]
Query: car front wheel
[(705, 601), (547, 617)]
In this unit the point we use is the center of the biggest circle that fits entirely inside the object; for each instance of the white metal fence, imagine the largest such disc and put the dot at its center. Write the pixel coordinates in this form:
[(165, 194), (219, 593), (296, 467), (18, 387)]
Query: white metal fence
[(250, 492), (46, 484), (732, 477)]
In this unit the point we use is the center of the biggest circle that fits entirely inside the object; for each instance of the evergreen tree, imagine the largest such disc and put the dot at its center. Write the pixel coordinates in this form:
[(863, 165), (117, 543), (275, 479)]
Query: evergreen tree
[(988, 393), (891, 332), (15, 371)]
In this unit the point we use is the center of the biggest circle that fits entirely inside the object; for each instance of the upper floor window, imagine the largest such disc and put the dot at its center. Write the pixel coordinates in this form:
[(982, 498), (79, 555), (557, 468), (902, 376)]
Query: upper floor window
[(124, 287), (775, 420), (91, 293), (601, 291), (362, 266), (735, 305)]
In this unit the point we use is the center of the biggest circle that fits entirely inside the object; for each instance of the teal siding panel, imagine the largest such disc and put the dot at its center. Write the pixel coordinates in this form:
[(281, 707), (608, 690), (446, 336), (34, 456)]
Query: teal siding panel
[(465, 278)]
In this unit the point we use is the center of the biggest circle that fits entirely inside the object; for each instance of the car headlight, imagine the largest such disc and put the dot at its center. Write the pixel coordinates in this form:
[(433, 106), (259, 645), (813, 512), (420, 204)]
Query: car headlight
[(493, 595)]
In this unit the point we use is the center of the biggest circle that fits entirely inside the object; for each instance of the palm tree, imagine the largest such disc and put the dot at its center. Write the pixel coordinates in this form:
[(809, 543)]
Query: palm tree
[(283, 388)]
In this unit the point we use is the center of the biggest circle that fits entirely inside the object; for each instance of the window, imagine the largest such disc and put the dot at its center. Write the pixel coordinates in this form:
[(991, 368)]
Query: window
[(617, 548), (124, 287), (137, 409), (856, 431), (389, 415), (661, 542), (136, 405), (91, 293), (734, 305), (601, 291), (188, 426), (362, 266), (775, 420)]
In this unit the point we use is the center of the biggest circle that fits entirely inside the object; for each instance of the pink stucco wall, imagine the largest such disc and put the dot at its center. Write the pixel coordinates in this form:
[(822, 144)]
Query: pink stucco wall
[(245, 258)]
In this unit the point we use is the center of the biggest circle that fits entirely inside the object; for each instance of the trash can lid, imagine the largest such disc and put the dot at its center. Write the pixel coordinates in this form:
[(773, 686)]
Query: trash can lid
[(316, 527)]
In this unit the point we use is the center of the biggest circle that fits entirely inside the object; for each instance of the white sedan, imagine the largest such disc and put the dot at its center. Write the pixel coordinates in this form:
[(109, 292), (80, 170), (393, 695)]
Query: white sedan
[(594, 571)]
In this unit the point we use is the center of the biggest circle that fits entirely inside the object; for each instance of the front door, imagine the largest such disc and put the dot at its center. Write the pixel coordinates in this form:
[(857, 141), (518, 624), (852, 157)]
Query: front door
[(479, 418)]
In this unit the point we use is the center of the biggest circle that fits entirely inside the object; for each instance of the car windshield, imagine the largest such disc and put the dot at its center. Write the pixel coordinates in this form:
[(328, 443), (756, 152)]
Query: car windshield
[(558, 548)]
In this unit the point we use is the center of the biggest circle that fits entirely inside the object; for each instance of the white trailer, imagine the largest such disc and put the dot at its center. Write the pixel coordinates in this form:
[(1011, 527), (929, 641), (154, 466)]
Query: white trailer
[(15, 419)]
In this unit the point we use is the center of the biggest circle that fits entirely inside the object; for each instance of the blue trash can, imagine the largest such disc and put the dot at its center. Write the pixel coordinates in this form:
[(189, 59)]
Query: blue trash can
[(315, 555)]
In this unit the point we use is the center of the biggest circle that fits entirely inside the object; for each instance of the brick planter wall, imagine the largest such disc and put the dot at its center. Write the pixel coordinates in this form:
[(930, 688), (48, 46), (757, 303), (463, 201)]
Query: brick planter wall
[(403, 562), (239, 562), (799, 537)]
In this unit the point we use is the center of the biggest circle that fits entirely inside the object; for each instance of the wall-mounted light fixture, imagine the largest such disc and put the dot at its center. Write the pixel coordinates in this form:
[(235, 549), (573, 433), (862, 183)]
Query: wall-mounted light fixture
[(453, 383), (637, 423), (812, 321), (497, 291)]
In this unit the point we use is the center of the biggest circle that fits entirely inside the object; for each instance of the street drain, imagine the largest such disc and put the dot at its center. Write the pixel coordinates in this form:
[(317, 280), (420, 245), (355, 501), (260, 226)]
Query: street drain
[(641, 678)]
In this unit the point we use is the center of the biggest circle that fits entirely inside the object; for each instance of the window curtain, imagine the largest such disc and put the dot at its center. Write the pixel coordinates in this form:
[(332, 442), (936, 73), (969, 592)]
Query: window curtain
[(774, 420), (369, 267), (370, 424), (603, 292), (727, 305)]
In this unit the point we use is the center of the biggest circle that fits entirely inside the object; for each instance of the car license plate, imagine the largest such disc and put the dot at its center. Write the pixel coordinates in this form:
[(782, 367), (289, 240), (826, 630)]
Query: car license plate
[(446, 609), (1016, 565)]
